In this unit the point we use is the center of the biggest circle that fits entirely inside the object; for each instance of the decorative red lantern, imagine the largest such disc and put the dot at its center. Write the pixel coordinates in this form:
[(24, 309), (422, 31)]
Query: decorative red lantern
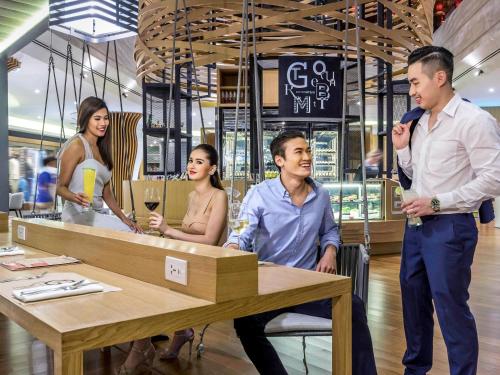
[(439, 7)]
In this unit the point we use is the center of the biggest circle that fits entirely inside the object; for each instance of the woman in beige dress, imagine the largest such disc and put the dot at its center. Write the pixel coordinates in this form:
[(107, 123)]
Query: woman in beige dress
[(204, 222)]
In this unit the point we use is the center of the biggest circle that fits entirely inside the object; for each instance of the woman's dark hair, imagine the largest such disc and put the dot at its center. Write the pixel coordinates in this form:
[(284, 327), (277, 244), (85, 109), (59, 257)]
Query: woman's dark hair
[(213, 158), (87, 109)]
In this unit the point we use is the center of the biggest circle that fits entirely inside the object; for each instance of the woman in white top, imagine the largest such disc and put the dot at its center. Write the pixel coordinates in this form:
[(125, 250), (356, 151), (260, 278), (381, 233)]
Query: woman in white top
[(90, 148)]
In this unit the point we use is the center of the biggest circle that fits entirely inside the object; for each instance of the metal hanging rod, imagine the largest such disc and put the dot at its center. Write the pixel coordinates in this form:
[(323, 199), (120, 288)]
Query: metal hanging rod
[(79, 64)]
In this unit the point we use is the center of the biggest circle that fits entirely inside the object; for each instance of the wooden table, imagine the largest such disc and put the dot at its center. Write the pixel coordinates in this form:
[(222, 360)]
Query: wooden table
[(72, 325)]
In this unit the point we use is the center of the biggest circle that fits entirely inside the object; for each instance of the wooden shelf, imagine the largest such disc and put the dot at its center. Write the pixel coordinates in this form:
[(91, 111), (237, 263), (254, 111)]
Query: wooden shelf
[(232, 87), (231, 105), (227, 79)]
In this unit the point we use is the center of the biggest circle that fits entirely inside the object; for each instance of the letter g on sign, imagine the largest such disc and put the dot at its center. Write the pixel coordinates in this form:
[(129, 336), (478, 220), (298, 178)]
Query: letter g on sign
[(296, 80)]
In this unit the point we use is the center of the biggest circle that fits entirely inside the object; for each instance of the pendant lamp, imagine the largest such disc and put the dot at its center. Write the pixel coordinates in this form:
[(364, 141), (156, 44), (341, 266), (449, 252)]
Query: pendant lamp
[(94, 21)]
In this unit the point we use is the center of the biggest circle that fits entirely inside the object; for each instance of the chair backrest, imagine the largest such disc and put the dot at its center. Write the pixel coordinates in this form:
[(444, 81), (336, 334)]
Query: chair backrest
[(353, 260), (16, 201)]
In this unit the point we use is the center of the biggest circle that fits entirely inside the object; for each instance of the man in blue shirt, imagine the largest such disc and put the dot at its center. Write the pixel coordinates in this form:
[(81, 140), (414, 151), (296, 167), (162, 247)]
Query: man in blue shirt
[(47, 183), (288, 217)]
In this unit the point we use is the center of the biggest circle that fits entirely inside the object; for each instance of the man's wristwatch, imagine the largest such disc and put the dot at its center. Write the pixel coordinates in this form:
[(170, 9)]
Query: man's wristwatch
[(435, 204)]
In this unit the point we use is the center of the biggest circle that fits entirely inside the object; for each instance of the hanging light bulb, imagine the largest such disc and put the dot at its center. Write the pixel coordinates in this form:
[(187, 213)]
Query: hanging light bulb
[(94, 21)]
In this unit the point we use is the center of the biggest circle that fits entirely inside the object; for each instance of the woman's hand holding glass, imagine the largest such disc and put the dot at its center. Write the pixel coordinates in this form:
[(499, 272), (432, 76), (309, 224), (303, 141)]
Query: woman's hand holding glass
[(82, 199), (158, 222)]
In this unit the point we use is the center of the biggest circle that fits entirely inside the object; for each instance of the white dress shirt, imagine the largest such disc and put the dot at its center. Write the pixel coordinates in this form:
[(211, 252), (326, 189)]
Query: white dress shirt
[(458, 160)]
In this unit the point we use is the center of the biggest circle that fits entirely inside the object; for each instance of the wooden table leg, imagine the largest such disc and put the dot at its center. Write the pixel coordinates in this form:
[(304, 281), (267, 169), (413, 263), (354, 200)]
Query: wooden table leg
[(342, 335), (68, 363)]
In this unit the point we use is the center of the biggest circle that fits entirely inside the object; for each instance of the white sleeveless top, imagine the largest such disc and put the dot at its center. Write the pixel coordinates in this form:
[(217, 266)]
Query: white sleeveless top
[(72, 212), (103, 175)]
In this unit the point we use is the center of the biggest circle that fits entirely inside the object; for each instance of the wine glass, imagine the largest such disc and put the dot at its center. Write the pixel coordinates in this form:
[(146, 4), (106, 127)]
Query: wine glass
[(409, 195), (151, 201), (238, 218)]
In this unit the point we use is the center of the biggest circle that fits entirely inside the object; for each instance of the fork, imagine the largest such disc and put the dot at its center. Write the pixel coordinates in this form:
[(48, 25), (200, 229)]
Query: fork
[(7, 249), (73, 286), (24, 277)]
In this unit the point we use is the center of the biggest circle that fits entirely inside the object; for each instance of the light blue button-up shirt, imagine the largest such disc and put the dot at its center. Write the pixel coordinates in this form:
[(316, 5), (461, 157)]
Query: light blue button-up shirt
[(282, 233)]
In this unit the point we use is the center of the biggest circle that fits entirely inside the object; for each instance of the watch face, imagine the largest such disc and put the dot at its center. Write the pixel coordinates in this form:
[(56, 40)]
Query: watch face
[(435, 204)]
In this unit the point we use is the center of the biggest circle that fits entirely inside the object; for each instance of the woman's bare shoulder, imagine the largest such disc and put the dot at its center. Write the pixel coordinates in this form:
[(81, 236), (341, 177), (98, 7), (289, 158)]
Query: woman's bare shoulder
[(220, 195), (74, 149)]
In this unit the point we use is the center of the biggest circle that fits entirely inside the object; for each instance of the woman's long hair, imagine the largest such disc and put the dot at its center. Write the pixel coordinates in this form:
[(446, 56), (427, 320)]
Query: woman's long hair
[(213, 158), (87, 109)]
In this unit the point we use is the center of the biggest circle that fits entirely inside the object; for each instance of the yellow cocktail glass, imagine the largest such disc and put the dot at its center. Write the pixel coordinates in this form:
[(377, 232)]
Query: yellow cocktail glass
[(89, 183)]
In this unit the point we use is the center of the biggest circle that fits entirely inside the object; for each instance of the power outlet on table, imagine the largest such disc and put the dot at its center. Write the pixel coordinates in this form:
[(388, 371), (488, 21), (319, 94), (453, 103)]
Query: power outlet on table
[(21, 232), (176, 270)]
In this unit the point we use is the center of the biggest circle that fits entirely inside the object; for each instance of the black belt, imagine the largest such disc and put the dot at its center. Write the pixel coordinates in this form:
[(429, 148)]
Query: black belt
[(437, 217)]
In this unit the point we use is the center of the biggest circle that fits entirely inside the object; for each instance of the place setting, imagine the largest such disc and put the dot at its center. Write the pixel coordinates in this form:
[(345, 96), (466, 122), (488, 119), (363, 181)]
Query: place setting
[(47, 286), (10, 251)]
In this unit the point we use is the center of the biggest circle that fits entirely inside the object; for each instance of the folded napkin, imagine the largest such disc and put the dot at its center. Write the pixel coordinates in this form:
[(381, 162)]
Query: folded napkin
[(44, 292), (10, 250)]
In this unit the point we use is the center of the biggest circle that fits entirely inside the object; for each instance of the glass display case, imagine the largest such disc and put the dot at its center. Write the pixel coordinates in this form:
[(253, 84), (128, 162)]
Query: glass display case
[(352, 202), (228, 119), (324, 145), (270, 169)]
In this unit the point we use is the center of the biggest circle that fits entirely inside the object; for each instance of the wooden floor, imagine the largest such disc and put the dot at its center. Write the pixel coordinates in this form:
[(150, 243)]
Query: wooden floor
[(21, 354)]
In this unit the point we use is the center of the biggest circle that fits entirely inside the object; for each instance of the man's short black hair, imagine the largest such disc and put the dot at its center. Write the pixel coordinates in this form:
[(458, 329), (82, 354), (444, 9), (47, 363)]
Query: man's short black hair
[(433, 58), (278, 143), (48, 160)]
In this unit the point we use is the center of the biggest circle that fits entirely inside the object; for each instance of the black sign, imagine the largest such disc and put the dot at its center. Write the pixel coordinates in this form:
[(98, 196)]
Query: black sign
[(310, 87)]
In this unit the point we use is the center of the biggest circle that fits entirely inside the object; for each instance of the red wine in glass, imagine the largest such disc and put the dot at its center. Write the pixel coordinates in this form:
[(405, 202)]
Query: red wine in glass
[(151, 206)]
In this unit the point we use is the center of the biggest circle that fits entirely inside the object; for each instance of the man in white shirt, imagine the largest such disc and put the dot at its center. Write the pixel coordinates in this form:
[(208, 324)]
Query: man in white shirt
[(454, 165)]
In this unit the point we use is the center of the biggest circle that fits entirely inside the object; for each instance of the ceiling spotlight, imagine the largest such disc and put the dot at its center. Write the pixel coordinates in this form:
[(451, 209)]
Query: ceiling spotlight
[(491, 89), (37, 91), (125, 94), (210, 123), (478, 72), (194, 114), (39, 117), (358, 103)]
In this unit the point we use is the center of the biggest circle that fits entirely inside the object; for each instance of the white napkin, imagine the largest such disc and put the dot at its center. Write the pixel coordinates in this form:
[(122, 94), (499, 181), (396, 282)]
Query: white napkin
[(8, 251), (56, 291)]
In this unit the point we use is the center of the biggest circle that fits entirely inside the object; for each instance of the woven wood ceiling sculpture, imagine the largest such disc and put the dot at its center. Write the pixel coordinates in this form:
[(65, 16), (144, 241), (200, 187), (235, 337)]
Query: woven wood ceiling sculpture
[(283, 27), (13, 64)]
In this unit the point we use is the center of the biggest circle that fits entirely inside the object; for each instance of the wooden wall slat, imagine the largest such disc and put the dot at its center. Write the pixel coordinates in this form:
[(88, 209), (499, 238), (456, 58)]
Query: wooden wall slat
[(124, 141)]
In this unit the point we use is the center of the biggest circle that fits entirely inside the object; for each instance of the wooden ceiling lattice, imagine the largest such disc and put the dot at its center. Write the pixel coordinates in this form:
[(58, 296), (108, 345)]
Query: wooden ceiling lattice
[(13, 64), (283, 27), (13, 13)]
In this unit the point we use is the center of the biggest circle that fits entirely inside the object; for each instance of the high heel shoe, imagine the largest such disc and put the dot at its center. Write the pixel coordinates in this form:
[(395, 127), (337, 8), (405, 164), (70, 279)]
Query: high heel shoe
[(147, 355), (180, 338)]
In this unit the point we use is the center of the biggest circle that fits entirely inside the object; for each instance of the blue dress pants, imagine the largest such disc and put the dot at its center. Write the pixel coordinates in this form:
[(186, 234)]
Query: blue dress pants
[(436, 267), (250, 330)]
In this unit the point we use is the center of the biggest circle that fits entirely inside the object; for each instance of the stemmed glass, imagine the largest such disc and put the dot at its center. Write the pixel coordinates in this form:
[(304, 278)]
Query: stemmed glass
[(238, 218), (151, 201), (409, 195)]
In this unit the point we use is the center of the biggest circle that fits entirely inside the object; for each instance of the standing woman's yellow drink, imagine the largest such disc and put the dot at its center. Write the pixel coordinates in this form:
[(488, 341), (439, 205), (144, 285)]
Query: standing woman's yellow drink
[(89, 183)]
